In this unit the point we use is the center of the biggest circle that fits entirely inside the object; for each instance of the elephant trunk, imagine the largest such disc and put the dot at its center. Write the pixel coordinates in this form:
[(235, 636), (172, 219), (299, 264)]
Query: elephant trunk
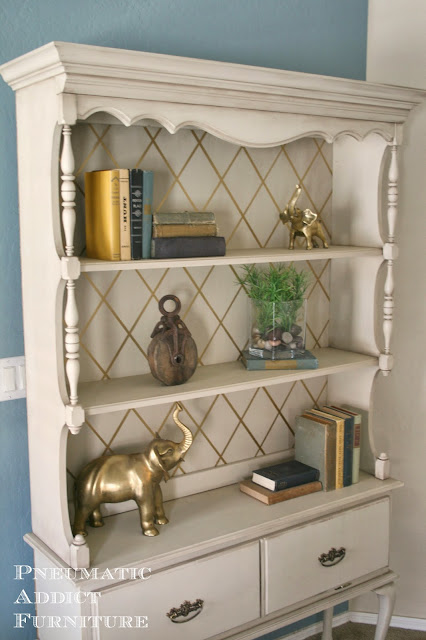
[(187, 434), (292, 204)]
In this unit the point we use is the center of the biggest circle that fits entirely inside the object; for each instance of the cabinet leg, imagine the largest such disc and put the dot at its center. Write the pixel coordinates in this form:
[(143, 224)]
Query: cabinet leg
[(327, 624), (386, 595)]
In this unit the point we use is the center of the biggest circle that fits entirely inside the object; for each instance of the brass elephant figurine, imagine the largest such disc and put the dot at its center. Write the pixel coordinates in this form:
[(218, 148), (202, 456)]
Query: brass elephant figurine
[(303, 222), (134, 476)]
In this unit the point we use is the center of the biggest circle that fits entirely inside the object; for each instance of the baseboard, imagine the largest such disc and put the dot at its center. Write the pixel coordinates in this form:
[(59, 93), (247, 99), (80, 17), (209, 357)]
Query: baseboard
[(401, 622), (307, 632), (417, 624)]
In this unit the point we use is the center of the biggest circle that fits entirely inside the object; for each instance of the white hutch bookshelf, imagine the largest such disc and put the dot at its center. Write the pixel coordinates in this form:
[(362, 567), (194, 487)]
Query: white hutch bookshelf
[(234, 139)]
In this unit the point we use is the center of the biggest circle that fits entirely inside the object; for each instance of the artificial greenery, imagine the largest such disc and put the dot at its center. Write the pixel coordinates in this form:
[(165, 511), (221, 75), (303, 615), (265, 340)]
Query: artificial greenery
[(277, 294)]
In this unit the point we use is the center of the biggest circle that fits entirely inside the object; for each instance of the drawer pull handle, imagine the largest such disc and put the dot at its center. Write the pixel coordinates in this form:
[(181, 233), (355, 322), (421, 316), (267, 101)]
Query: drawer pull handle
[(333, 557), (184, 610)]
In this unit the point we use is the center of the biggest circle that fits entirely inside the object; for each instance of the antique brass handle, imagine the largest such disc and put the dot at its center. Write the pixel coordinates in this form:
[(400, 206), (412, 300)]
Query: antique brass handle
[(185, 609), (333, 557)]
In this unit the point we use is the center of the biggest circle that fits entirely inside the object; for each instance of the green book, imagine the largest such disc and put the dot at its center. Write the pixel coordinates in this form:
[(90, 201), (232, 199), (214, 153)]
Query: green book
[(315, 445)]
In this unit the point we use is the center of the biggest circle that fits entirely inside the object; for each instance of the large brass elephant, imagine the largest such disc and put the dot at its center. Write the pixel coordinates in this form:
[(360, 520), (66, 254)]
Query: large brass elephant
[(303, 222), (134, 476)]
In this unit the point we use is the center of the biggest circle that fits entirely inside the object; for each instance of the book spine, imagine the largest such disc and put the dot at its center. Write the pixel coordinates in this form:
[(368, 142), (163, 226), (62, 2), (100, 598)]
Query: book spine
[(348, 453), (102, 203), (270, 365), (273, 497), (125, 251), (148, 188), (184, 217), (326, 453), (136, 213), (188, 247), (296, 480), (177, 230), (340, 433), (356, 451), (356, 454)]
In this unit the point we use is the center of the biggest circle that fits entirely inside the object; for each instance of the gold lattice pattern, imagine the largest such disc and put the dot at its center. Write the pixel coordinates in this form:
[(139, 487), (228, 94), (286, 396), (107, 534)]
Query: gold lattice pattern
[(246, 188)]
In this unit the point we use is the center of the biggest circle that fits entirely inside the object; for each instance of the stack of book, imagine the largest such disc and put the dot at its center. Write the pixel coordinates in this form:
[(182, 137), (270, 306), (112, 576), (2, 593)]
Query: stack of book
[(186, 234), (329, 439), (279, 482), (290, 359), (118, 214)]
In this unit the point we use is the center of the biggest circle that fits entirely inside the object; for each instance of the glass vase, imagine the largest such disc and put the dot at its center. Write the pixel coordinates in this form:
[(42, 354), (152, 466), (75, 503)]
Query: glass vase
[(278, 329)]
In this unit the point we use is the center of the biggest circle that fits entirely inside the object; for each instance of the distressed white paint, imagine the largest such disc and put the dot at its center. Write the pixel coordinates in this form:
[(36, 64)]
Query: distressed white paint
[(243, 105)]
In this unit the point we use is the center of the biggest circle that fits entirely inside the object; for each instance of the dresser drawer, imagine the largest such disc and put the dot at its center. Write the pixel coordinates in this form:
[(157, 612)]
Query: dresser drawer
[(293, 571), (227, 582)]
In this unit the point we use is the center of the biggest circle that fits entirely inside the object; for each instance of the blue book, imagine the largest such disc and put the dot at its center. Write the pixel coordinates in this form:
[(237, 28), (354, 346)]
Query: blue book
[(348, 443), (291, 473), (302, 360), (135, 179), (148, 188)]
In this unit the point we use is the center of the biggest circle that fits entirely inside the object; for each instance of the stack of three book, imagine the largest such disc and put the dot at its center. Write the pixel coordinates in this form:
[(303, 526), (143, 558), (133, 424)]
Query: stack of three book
[(186, 234)]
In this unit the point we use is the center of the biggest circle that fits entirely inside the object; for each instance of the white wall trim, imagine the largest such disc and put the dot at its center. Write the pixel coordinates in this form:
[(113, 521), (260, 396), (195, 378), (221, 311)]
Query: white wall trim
[(402, 622)]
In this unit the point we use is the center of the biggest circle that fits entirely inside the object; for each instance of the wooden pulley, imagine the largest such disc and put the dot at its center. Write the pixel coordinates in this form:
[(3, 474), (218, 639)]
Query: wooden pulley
[(172, 352)]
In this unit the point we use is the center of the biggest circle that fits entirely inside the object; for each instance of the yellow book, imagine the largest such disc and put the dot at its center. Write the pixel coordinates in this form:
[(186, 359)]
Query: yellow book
[(102, 195), (125, 251)]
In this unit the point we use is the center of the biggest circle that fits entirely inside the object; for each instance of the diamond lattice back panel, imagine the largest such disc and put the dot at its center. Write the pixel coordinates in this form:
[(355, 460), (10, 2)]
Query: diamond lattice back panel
[(246, 189)]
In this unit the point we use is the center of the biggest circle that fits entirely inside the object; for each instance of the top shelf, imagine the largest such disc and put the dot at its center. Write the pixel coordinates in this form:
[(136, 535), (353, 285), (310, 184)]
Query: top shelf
[(233, 256)]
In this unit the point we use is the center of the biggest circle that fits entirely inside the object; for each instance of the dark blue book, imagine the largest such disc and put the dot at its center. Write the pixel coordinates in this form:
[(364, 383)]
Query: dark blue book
[(188, 247), (291, 473), (348, 443), (148, 188), (136, 192)]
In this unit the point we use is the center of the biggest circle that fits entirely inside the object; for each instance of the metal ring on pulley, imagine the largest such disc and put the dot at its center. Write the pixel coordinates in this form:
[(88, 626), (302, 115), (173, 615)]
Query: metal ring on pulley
[(169, 314)]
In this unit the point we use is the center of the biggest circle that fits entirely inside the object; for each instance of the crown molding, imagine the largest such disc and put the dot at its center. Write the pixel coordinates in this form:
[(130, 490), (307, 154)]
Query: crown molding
[(100, 71)]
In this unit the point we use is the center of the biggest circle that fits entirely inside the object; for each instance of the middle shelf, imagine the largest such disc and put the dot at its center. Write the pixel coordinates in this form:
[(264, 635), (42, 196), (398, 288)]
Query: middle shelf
[(132, 392), (234, 256)]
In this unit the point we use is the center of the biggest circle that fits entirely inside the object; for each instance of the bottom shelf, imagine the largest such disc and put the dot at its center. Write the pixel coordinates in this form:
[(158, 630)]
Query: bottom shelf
[(209, 521)]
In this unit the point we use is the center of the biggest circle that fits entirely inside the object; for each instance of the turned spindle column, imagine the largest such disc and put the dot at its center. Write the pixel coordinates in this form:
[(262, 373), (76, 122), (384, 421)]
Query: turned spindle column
[(70, 273), (390, 253)]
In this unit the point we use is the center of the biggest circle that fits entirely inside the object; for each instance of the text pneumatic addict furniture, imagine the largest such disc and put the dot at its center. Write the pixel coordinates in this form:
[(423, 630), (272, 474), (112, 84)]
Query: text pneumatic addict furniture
[(256, 568)]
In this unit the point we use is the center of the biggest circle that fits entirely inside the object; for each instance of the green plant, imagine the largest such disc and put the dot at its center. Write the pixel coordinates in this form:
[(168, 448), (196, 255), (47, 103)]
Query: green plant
[(277, 294)]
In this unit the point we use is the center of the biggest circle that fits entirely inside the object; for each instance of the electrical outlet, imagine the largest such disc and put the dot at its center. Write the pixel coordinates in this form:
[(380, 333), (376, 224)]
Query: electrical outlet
[(12, 378)]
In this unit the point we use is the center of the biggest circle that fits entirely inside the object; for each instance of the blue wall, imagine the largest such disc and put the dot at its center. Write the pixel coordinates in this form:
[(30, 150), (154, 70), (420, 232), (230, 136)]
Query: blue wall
[(317, 36)]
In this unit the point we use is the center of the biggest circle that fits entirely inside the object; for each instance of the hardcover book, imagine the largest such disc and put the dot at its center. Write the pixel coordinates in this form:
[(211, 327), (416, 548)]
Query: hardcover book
[(273, 497), (136, 213), (285, 475), (125, 251), (356, 443), (184, 247), (339, 425), (348, 443), (303, 360), (102, 204), (186, 223), (147, 193), (315, 445)]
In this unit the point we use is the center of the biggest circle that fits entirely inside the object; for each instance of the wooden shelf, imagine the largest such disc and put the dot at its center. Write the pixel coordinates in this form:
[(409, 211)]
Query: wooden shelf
[(133, 392), (234, 256), (203, 521)]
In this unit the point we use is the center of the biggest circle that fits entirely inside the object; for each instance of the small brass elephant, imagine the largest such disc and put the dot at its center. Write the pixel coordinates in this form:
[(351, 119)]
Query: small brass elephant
[(135, 476), (303, 222)]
